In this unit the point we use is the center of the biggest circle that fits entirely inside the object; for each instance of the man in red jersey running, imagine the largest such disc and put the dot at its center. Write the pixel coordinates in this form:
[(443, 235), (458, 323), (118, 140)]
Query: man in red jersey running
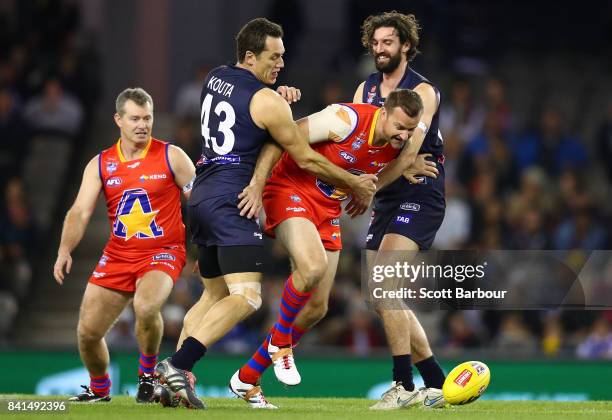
[(303, 212), (141, 178)]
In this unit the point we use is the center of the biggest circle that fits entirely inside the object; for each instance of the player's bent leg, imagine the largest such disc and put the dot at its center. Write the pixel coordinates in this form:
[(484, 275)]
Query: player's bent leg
[(303, 243), (316, 307), (396, 324), (243, 300), (215, 289), (152, 291), (248, 376), (100, 308)]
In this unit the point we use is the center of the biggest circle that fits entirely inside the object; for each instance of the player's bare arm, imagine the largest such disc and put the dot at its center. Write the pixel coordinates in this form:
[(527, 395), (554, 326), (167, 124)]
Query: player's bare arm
[(408, 155), (270, 111), (182, 166), (77, 218), (250, 198), (357, 98)]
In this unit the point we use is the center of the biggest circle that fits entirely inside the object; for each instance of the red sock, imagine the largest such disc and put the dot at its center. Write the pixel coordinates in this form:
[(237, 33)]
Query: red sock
[(257, 364), (292, 302), (100, 385), (146, 363), (296, 334)]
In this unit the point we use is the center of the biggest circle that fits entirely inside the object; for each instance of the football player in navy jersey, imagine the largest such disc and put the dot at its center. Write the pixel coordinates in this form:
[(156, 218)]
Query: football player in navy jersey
[(239, 112), (406, 214)]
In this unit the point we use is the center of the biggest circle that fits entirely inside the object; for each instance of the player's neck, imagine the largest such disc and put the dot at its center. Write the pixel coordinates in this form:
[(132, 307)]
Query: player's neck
[(132, 150), (391, 80)]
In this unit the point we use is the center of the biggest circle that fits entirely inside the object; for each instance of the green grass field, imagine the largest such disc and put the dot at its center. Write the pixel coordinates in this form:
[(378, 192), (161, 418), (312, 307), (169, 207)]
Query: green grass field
[(322, 408)]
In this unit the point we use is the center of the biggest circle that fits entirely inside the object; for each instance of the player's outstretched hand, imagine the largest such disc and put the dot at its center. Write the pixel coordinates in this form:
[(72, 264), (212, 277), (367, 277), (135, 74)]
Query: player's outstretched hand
[(421, 167), (289, 93), (63, 260), (250, 201)]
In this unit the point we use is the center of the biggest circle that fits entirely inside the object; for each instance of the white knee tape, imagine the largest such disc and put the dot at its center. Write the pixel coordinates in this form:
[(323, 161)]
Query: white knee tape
[(251, 291)]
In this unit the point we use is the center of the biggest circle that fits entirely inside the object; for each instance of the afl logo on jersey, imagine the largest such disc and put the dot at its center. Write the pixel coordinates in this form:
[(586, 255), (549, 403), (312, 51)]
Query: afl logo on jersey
[(347, 156), (114, 181)]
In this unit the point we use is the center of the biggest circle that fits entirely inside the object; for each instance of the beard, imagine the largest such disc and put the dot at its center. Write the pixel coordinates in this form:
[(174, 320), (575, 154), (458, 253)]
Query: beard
[(389, 66)]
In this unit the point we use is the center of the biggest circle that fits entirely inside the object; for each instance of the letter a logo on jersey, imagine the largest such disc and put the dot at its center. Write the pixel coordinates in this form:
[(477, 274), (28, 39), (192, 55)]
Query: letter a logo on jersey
[(135, 217)]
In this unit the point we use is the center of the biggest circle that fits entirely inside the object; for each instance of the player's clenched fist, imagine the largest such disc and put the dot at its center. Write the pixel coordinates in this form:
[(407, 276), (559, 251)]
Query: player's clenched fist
[(289, 93)]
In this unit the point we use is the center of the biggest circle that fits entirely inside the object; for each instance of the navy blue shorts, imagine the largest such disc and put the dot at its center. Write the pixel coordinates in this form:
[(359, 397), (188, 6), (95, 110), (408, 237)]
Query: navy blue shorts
[(415, 211), (217, 221)]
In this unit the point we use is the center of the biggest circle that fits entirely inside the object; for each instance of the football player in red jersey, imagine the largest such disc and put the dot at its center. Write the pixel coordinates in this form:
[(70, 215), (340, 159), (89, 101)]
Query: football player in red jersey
[(303, 212), (141, 178)]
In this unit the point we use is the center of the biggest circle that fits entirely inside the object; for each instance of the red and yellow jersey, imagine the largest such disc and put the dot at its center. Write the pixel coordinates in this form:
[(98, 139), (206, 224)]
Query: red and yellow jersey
[(143, 201), (355, 153)]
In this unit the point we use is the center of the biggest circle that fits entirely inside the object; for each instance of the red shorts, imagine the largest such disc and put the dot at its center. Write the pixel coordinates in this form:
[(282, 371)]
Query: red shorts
[(282, 203), (118, 272)]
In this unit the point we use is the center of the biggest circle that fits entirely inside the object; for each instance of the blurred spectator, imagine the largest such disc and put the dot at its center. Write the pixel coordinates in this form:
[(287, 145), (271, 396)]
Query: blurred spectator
[(604, 142), (460, 333), (455, 229), (514, 336), (598, 345), (18, 233), (550, 146), (187, 103), (581, 231), (121, 335), (187, 138), (497, 104), (54, 111), (8, 311), (461, 114), (13, 136)]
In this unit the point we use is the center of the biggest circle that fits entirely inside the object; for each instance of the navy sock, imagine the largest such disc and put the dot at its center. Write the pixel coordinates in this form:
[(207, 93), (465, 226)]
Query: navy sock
[(432, 373), (190, 352), (402, 371)]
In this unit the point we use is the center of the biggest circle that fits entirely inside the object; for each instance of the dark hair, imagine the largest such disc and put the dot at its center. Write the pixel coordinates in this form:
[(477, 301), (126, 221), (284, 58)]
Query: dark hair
[(407, 99), (137, 95), (252, 37), (406, 26)]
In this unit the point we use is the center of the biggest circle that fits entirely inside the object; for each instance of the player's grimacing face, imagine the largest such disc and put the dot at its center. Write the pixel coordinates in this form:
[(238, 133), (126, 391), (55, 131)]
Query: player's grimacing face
[(270, 61), (398, 127), (387, 49), (136, 123)]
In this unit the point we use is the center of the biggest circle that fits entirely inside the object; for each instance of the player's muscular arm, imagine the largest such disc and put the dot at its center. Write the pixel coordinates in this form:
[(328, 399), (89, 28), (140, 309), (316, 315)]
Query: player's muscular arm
[(406, 163), (357, 98), (250, 198), (269, 110), (77, 218), (183, 169)]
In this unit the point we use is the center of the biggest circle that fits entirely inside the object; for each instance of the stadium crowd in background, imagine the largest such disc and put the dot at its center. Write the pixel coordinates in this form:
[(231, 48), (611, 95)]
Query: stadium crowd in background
[(523, 171)]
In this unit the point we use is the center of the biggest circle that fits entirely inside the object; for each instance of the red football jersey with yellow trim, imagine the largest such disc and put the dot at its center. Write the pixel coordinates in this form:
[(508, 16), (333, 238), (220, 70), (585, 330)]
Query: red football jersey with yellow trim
[(143, 201), (355, 153)]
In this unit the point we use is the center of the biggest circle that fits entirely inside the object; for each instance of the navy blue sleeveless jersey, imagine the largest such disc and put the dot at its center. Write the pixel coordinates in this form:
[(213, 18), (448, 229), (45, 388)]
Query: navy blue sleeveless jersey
[(432, 143), (414, 211), (231, 141)]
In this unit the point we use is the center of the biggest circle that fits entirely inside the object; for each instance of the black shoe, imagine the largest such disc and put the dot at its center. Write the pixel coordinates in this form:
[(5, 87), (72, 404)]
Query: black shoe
[(181, 382), (89, 396), (146, 388)]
